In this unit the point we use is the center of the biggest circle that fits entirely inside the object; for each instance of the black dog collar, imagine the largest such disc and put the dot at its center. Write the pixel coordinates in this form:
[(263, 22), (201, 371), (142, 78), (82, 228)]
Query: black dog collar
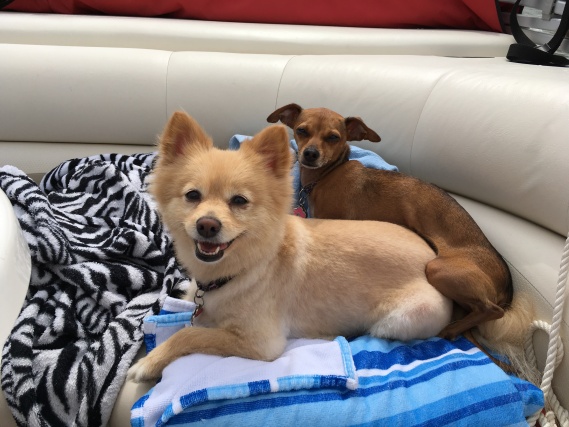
[(214, 284)]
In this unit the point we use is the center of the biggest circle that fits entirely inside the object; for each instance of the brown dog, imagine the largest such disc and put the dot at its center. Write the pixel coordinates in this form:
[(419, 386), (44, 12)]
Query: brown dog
[(467, 268), (265, 275)]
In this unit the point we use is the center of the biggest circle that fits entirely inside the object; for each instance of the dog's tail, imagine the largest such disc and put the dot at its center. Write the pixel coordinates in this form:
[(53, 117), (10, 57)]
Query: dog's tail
[(507, 337)]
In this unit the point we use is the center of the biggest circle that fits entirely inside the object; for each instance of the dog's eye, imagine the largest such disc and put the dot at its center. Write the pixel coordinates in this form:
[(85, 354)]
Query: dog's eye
[(193, 196), (332, 138), (301, 131), (239, 200)]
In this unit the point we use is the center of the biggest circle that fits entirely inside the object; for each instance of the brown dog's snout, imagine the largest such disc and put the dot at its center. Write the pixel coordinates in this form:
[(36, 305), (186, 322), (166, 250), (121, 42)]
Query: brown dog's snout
[(208, 226), (310, 155)]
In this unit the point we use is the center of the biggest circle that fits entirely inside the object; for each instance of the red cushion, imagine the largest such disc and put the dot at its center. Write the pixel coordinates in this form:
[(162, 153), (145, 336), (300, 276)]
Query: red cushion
[(460, 14)]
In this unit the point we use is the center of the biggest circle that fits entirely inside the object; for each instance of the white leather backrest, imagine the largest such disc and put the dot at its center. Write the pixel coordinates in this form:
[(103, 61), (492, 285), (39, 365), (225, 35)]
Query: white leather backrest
[(499, 132), (226, 93), (184, 35), (72, 94), (487, 129)]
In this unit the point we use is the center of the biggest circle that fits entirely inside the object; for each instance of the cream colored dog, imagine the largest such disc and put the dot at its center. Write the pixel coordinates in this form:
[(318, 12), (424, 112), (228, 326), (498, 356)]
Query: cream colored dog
[(266, 275)]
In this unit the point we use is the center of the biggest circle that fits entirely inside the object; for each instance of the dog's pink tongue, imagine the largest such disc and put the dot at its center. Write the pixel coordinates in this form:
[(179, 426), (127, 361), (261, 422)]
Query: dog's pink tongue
[(211, 247)]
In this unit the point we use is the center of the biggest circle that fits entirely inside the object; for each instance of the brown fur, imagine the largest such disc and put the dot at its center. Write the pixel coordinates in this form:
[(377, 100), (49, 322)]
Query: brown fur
[(467, 268), (290, 277)]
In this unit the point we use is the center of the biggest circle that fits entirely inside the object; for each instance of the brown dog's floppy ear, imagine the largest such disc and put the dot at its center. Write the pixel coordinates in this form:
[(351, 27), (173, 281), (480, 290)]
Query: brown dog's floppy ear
[(181, 133), (287, 115), (357, 130), (272, 144)]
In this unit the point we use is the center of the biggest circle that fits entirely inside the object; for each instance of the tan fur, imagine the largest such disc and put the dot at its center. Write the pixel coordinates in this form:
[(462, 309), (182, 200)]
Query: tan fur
[(291, 277), (507, 335), (467, 268)]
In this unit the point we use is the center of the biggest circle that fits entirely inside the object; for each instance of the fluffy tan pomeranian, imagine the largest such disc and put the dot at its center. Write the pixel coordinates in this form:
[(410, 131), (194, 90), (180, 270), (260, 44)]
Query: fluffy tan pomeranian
[(266, 275)]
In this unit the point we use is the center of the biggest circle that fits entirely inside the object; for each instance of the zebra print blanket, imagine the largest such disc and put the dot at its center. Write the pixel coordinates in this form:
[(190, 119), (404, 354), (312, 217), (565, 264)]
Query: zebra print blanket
[(101, 260)]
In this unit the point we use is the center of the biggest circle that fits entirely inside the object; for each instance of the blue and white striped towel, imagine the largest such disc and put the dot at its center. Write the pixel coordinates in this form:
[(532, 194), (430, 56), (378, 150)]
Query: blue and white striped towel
[(367, 381)]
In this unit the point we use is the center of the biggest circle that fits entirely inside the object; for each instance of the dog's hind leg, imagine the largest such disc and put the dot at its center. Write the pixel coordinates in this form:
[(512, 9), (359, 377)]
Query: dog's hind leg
[(216, 341), (420, 314), (461, 280)]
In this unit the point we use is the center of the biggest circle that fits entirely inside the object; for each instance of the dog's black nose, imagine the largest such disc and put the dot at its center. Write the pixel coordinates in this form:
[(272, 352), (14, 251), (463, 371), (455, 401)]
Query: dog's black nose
[(208, 227), (311, 154)]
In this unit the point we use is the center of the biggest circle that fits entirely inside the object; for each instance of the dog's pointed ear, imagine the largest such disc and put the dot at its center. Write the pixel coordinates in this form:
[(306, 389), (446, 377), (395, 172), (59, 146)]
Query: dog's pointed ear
[(181, 134), (273, 145), (287, 115), (357, 130)]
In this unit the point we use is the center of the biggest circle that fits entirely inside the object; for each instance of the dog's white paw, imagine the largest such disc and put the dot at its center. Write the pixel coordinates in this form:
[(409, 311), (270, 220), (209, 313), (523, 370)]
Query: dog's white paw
[(141, 372)]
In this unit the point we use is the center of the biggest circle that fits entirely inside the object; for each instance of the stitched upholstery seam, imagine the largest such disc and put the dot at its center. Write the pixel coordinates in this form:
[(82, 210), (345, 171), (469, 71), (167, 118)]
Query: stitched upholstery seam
[(167, 80), (421, 115), (281, 79)]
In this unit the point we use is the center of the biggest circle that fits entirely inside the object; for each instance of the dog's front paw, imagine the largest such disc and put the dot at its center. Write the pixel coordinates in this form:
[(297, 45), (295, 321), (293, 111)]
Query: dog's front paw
[(143, 370)]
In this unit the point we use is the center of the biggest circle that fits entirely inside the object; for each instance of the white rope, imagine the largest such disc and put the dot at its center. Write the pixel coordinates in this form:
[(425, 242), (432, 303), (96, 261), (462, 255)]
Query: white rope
[(556, 414), (547, 419)]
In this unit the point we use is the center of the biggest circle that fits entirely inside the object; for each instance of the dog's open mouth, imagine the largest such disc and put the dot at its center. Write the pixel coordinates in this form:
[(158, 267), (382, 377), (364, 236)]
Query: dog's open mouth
[(209, 252)]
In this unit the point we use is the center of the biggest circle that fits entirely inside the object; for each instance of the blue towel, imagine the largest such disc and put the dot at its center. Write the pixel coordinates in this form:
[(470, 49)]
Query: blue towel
[(367, 381), (366, 157)]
